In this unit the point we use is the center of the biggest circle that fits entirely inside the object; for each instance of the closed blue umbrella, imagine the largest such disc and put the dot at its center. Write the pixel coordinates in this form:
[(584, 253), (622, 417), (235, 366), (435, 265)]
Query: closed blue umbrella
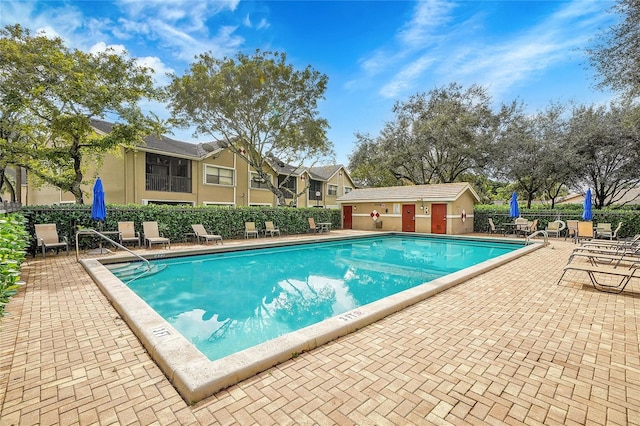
[(98, 209), (587, 214), (514, 210)]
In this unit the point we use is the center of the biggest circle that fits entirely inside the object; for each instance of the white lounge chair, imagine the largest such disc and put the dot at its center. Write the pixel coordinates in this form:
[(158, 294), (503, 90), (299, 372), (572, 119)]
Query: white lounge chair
[(603, 230), (128, 233), (269, 228), (152, 235), (555, 228), (313, 227), (585, 231), (606, 232), (600, 276), (493, 229), (201, 233), (250, 230), (48, 239)]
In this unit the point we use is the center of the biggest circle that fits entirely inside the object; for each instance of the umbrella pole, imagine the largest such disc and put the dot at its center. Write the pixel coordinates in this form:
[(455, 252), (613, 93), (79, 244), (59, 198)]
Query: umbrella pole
[(100, 250)]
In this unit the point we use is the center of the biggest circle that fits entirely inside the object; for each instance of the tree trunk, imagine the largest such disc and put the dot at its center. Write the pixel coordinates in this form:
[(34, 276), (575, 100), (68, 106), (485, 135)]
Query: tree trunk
[(18, 192)]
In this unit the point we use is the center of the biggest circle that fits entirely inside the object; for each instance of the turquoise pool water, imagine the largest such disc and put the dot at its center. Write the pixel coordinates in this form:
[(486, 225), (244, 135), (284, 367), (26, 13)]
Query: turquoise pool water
[(227, 302)]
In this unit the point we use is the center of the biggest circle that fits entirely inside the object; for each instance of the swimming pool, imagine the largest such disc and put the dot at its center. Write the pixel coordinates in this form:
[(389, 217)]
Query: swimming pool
[(227, 302), (331, 281)]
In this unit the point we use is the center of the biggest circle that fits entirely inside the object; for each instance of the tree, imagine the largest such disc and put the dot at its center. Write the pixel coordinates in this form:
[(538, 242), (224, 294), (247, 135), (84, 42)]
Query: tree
[(607, 146), (7, 133), (367, 165), (55, 92), (557, 162), (615, 55), (258, 106), (436, 137), (530, 151)]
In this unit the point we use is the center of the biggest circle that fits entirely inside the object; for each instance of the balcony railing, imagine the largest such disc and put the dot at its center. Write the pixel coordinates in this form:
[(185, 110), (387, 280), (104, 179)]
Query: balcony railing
[(9, 207), (313, 195), (168, 183)]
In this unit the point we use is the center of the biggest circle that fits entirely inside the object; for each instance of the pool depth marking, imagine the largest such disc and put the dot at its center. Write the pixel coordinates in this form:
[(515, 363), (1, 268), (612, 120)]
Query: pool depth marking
[(160, 332), (350, 315)]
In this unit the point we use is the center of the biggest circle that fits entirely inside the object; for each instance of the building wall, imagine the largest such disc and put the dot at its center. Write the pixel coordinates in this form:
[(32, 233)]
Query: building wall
[(219, 194), (49, 195), (342, 181), (137, 181), (455, 224), (391, 215), (303, 200), (124, 182)]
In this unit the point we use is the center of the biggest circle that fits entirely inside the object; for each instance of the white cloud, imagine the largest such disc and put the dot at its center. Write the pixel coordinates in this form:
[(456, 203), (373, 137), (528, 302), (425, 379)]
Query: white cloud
[(517, 61), (422, 31), (126, 29), (427, 18), (156, 65), (63, 23), (405, 78), (101, 46), (431, 49), (160, 69), (185, 13), (264, 24), (247, 21)]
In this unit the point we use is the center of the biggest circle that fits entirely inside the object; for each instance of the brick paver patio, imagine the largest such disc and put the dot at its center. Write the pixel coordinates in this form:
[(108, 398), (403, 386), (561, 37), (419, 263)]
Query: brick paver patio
[(507, 347)]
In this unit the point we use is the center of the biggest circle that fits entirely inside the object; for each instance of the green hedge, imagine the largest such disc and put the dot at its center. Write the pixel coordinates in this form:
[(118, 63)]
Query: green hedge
[(175, 221), (500, 214), (13, 241)]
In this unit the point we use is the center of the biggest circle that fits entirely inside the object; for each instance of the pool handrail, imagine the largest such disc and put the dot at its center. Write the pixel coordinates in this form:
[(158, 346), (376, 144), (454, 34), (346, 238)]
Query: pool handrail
[(539, 232), (93, 231)]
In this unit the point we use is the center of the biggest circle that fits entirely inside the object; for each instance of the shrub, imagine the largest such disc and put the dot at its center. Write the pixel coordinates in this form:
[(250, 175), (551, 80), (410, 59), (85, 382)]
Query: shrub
[(500, 214), (13, 241), (175, 221)]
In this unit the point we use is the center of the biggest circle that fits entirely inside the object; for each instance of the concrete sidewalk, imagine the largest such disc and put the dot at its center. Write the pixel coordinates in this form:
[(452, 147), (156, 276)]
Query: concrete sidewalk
[(507, 347)]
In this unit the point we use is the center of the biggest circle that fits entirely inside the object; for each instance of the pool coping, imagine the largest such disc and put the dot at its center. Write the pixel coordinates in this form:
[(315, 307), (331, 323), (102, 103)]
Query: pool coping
[(196, 377)]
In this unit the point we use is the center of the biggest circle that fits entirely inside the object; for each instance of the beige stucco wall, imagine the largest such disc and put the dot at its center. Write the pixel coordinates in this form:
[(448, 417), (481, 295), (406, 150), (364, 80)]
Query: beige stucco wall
[(341, 180), (455, 225), (124, 182), (48, 195), (391, 215)]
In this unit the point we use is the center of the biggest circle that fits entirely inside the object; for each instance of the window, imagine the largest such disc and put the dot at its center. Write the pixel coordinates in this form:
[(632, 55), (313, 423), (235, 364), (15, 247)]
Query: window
[(287, 182), (332, 189), (315, 190), (218, 175), (167, 174), (215, 203), (347, 189), (168, 203), (257, 182)]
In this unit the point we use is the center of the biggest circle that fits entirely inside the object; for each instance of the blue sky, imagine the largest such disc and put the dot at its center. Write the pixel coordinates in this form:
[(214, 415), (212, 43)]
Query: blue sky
[(374, 52)]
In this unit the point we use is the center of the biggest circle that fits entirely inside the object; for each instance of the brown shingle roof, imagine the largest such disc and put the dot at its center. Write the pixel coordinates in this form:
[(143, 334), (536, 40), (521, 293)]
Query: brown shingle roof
[(163, 143), (324, 172), (436, 192)]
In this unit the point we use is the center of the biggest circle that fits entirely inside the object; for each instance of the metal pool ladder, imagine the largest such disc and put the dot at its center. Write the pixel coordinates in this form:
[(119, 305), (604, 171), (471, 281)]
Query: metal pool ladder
[(540, 232), (93, 231)]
